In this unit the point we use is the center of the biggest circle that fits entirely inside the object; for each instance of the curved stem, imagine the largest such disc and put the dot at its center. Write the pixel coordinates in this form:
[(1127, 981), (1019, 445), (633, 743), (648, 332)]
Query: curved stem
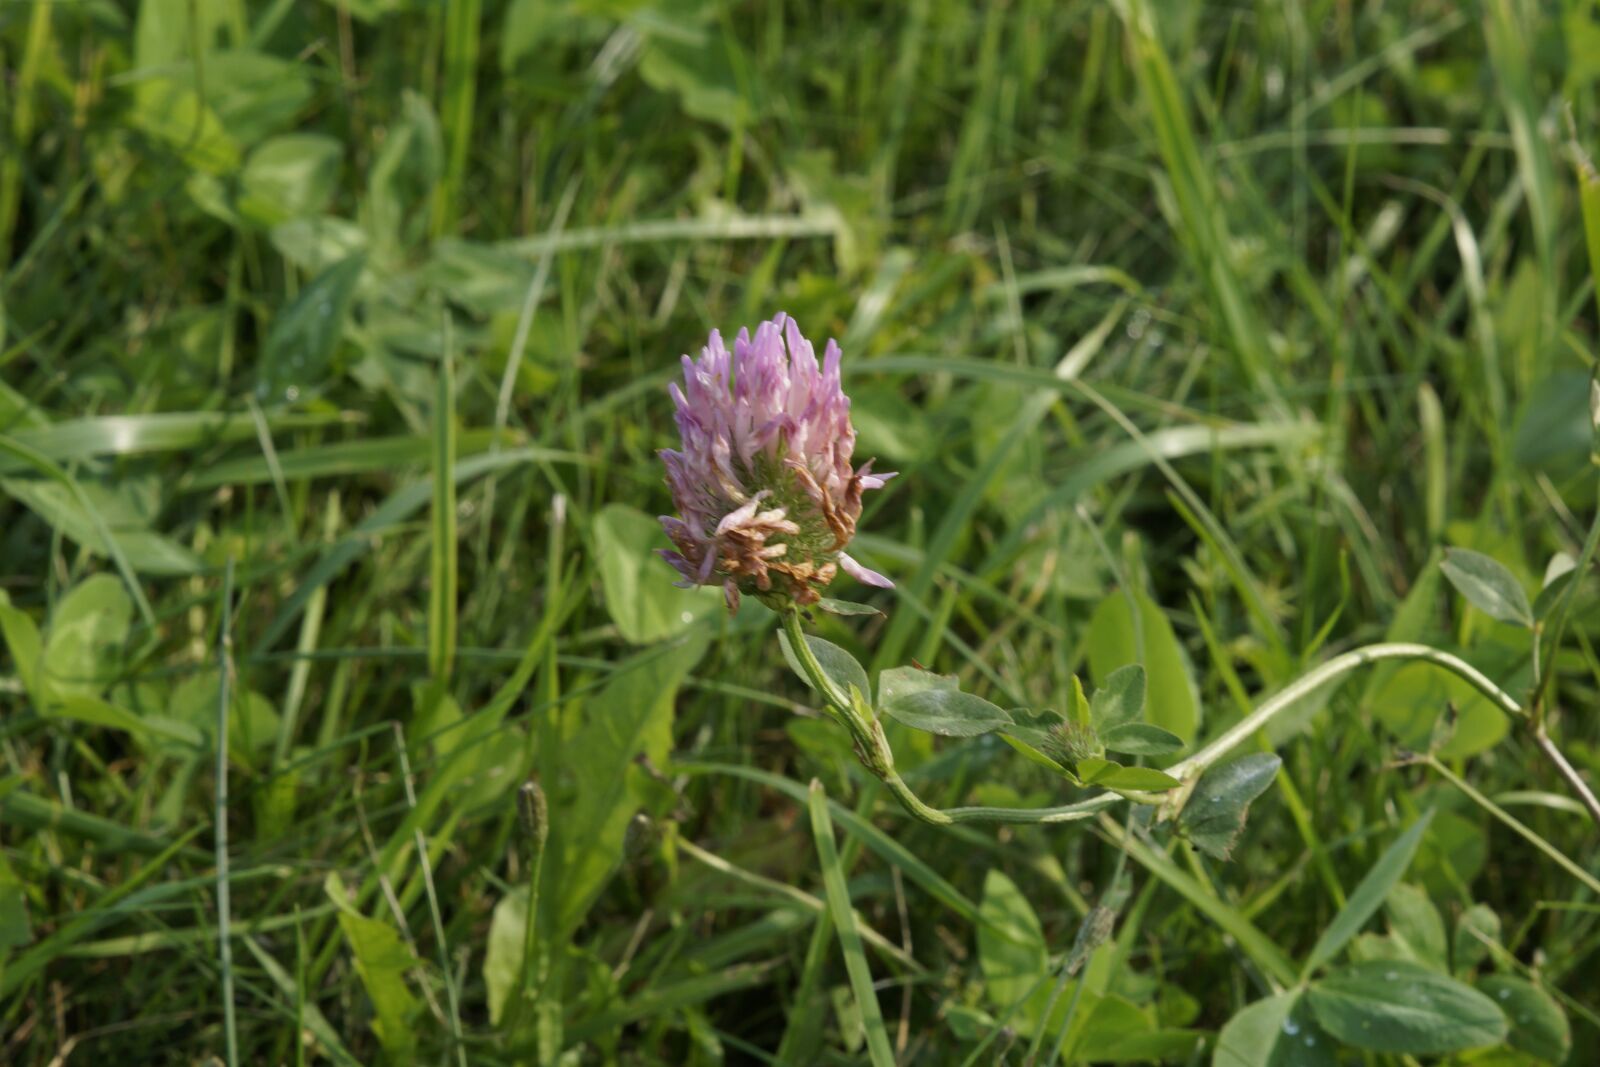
[(875, 753), (808, 659), (1323, 673)]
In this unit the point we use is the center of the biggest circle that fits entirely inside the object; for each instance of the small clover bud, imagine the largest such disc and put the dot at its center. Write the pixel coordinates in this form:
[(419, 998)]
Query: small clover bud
[(767, 498), (1076, 742)]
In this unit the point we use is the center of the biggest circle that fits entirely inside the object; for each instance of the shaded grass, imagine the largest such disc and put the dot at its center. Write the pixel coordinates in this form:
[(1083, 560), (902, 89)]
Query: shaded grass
[(1281, 299)]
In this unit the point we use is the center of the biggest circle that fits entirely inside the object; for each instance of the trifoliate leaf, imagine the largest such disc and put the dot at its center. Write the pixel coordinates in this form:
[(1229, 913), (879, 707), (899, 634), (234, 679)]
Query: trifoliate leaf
[(1141, 739), (1120, 700), (1215, 812)]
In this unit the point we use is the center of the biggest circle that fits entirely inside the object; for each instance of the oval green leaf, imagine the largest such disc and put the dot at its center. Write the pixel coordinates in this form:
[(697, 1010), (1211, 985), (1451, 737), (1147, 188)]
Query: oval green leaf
[(1214, 815), (1141, 739), (840, 666), (1172, 699), (1538, 1025), (1120, 700), (1400, 1007), (948, 712), (1135, 779), (897, 682), (1488, 585), (1276, 1032)]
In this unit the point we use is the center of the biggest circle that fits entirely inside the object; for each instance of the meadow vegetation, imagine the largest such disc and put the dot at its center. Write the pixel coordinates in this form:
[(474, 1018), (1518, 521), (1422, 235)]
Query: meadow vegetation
[(1218, 338)]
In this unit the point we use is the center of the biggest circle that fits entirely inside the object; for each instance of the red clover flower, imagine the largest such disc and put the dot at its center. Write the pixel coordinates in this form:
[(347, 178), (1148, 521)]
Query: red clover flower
[(767, 499)]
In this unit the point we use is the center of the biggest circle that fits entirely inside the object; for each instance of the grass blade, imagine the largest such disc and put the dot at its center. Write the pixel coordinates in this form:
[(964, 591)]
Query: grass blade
[(844, 921)]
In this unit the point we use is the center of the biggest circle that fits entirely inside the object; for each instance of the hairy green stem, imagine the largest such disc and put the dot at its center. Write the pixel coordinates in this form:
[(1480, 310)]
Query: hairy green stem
[(873, 747), (1324, 673)]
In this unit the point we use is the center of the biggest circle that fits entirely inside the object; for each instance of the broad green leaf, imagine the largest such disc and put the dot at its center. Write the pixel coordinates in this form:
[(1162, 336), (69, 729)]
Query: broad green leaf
[(1553, 432), (1011, 947), (252, 719), (1171, 700), (1109, 1044), (1378, 947), (1580, 25), (1400, 1007), (949, 712), (168, 111), (383, 961), (1276, 1032), (304, 336), (1120, 700), (313, 244), (1415, 923), (289, 177), (840, 666), (1141, 739), (402, 177), (846, 607), (254, 94), (897, 682), (1488, 585), (1091, 768), (502, 958), (1453, 853), (1538, 1025), (1112, 1029), (526, 23), (1476, 929), (83, 649), (630, 716), (638, 586), (166, 31), (1369, 894), (1416, 619), (700, 74), (1413, 700), (146, 551), (1214, 814)]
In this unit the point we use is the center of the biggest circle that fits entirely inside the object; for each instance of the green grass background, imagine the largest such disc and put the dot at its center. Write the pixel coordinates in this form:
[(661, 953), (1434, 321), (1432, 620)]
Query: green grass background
[(1249, 308)]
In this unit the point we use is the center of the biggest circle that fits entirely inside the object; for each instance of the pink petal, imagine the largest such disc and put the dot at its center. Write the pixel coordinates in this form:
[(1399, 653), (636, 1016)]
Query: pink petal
[(737, 517), (862, 574)]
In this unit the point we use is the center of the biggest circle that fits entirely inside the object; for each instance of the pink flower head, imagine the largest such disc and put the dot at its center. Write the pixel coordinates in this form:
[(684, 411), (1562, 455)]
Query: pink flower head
[(767, 499)]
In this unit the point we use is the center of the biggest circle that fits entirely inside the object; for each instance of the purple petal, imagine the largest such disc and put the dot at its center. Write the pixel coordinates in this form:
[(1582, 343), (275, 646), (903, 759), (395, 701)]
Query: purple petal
[(862, 574)]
